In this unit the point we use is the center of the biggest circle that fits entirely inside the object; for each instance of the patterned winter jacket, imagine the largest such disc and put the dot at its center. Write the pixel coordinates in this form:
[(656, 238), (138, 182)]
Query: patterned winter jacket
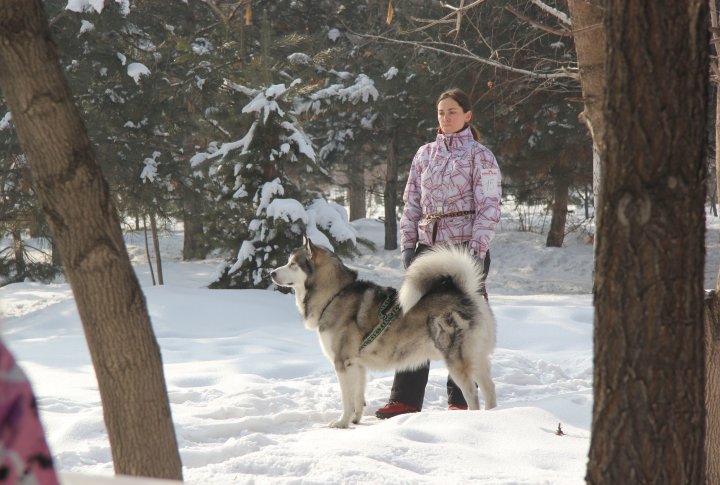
[(454, 174), (24, 454)]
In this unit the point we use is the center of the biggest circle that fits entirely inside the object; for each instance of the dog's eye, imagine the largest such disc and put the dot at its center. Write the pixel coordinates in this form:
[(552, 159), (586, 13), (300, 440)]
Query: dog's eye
[(292, 264)]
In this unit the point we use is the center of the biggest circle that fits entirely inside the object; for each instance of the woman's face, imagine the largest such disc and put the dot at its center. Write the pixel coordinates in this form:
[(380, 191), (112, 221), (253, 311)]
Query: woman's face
[(451, 116)]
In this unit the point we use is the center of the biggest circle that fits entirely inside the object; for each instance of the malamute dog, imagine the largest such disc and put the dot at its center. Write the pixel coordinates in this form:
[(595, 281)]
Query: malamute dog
[(439, 313)]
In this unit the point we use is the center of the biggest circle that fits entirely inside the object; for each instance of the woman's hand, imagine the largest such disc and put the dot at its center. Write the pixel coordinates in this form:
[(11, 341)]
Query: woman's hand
[(407, 257)]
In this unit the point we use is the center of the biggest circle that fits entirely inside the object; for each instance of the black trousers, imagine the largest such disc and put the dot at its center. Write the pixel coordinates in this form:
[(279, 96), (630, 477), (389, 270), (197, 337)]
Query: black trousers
[(409, 386)]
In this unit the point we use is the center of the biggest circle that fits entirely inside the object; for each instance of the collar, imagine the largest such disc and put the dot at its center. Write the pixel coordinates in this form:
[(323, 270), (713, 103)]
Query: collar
[(453, 140)]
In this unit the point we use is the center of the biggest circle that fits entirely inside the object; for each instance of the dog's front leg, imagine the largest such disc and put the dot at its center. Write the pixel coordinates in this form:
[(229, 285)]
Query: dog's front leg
[(359, 397), (347, 375)]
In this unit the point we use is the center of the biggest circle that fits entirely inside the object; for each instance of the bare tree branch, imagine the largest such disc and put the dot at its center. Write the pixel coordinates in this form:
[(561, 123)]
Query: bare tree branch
[(540, 26), (464, 53), (459, 19), (445, 20), (216, 10), (561, 16)]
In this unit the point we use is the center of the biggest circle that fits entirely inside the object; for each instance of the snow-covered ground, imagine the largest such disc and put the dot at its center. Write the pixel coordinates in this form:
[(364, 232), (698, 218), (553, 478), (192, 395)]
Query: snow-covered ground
[(252, 394)]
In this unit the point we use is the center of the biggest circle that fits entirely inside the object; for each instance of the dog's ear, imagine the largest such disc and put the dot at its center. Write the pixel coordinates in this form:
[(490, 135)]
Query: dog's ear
[(308, 246)]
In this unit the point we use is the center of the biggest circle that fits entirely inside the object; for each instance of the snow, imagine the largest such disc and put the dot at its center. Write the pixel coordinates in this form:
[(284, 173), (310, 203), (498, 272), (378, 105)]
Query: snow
[(391, 73), (303, 142), (202, 46), (136, 70), (86, 26), (299, 58), (363, 89), (265, 102), (149, 171), (5, 121), (251, 392), (331, 217), (289, 210), (226, 148), (85, 5), (334, 34), (97, 5), (268, 191)]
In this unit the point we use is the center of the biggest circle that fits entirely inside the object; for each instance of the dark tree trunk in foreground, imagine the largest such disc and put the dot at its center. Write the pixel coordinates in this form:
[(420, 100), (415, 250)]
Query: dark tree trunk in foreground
[(712, 387), (76, 201), (712, 300), (648, 411)]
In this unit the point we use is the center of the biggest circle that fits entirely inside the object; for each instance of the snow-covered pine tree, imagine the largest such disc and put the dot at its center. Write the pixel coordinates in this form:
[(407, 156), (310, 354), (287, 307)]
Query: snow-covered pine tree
[(272, 212)]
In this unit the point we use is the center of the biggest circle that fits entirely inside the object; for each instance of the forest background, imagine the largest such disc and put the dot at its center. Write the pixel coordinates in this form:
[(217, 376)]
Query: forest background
[(204, 112)]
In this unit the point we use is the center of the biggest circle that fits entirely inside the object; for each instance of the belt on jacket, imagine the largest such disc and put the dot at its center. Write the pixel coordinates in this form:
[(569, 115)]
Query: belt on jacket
[(435, 218)]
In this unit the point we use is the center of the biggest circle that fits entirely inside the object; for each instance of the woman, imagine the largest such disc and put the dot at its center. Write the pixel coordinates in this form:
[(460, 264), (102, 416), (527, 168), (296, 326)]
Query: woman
[(24, 454), (452, 196)]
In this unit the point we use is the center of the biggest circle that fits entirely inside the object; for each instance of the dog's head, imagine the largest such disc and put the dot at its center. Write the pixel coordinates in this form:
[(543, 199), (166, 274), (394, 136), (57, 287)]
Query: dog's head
[(299, 268)]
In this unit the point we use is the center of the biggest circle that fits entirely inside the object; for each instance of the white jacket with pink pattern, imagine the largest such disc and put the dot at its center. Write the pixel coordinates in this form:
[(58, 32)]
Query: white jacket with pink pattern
[(453, 174)]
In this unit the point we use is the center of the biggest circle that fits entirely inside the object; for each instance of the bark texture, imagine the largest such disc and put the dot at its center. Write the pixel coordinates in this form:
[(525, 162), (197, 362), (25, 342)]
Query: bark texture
[(589, 39), (648, 411), (356, 187), (76, 201), (712, 387), (556, 234), (391, 194), (193, 227)]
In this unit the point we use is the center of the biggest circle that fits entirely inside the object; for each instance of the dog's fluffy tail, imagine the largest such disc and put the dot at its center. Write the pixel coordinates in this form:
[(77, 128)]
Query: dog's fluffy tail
[(439, 263)]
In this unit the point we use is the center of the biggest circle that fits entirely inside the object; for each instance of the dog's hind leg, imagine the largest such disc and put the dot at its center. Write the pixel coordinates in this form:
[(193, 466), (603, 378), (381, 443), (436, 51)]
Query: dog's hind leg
[(349, 377), (484, 380), (462, 376)]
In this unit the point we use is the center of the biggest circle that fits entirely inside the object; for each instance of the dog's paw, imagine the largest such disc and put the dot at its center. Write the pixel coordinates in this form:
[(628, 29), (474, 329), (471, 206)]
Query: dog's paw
[(339, 423)]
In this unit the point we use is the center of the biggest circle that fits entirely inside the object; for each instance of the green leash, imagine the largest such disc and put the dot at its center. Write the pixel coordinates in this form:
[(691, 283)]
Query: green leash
[(386, 317)]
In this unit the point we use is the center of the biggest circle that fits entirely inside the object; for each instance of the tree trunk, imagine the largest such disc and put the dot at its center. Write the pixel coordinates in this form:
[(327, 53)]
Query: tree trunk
[(356, 188), (19, 254), (589, 38), (55, 257), (147, 252), (193, 228), (712, 303), (156, 247), (648, 411), (75, 198), (712, 387), (556, 234), (391, 189)]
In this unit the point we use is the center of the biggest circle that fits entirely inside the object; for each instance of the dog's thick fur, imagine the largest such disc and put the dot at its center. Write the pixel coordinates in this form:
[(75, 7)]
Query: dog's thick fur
[(443, 316)]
